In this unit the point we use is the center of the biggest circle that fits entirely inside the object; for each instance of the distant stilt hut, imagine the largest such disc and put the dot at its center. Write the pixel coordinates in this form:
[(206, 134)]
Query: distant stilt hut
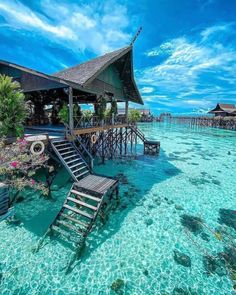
[(224, 110)]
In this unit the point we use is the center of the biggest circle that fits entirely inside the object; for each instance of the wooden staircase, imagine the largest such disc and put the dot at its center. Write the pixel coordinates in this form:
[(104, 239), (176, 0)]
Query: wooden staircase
[(151, 147), (83, 202), (71, 158), (77, 214)]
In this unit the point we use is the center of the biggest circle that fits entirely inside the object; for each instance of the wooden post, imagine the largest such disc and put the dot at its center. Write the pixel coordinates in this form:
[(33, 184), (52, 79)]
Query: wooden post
[(4, 198), (71, 119), (126, 111)]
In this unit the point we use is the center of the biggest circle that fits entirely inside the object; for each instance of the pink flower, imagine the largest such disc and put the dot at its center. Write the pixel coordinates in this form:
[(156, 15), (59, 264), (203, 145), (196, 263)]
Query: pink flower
[(32, 181), (14, 164)]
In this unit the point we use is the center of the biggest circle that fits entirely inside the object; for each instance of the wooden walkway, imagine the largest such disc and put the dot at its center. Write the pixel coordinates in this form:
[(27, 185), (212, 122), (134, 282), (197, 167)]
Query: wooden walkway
[(98, 184), (84, 130)]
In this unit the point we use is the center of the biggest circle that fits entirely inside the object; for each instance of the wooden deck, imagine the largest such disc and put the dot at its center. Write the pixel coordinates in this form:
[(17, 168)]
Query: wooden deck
[(98, 184), (84, 130)]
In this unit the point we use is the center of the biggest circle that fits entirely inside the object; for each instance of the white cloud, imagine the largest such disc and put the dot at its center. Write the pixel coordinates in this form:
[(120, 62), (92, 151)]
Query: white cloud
[(211, 31), (196, 72), (97, 27), (163, 49), (21, 16), (147, 90)]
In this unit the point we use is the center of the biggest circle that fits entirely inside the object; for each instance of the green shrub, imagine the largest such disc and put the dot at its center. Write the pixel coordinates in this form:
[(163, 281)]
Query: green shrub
[(13, 108), (87, 114), (134, 115)]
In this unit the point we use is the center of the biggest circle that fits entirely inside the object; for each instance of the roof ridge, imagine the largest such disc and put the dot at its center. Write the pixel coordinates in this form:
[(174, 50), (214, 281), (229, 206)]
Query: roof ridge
[(91, 60)]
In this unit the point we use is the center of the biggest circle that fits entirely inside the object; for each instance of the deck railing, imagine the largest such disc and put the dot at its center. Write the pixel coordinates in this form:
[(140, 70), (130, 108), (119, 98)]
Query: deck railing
[(95, 121)]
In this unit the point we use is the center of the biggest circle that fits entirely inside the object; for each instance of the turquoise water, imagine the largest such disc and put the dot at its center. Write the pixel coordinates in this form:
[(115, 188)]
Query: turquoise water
[(194, 175)]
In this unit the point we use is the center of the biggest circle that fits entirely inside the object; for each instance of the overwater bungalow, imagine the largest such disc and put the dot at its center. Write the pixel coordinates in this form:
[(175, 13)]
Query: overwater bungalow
[(224, 110), (105, 79)]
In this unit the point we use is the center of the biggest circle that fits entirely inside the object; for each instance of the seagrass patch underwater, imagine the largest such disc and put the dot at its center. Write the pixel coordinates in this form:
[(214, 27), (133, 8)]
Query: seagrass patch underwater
[(173, 232)]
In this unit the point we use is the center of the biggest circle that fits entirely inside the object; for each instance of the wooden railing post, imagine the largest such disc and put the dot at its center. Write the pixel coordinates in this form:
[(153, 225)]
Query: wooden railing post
[(71, 119), (126, 111)]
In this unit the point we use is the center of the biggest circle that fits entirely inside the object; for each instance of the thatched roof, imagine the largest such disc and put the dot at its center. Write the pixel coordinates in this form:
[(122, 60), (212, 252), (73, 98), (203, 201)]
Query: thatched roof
[(84, 74), (220, 107)]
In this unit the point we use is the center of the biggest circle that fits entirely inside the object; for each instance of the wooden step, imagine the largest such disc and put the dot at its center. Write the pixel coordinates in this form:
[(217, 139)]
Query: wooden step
[(81, 168), (63, 149), (71, 156), (85, 214), (62, 154), (85, 195), (85, 172), (61, 231), (59, 141), (70, 226), (75, 165), (63, 144), (82, 203), (84, 224)]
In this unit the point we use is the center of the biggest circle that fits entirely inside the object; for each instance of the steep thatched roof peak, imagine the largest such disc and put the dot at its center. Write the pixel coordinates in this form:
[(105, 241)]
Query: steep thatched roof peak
[(223, 107), (85, 72)]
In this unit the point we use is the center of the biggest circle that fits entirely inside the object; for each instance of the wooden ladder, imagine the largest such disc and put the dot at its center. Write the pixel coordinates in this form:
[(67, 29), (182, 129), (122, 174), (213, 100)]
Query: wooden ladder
[(71, 158), (78, 215)]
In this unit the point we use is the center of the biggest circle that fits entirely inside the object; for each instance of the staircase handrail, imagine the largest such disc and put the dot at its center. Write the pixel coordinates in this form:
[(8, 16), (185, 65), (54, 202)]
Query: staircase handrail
[(87, 152), (63, 161), (138, 132)]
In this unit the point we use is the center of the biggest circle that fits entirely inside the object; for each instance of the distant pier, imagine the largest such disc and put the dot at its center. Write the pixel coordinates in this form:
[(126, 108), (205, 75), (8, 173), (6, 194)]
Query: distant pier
[(228, 123)]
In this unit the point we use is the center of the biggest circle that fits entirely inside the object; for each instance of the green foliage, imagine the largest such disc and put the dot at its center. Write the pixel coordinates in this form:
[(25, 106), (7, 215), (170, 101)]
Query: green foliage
[(63, 114), (87, 114), (13, 108), (134, 115), (107, 114), (101, 107), (114, 107)]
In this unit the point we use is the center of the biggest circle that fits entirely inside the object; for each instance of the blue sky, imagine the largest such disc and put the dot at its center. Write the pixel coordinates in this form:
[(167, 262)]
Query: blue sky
[(184, 59)]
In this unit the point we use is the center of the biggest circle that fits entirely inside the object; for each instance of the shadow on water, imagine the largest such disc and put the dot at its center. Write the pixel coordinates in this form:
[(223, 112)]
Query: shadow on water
[(34, 211)]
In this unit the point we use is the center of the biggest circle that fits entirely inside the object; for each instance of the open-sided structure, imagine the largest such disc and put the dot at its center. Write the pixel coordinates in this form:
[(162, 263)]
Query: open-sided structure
[(110, 76)]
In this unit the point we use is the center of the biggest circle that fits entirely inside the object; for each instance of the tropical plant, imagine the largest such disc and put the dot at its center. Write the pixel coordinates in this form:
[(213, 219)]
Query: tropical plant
[(100, 108), (18, 166), (107, 114), (134, 115), (13, 108), (63, 114), (87, 114), (114, 107)]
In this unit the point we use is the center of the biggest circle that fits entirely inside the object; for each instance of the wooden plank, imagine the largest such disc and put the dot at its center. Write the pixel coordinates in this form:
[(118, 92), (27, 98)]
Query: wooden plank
[(71, 156), (61, 231), (62, 154), (85, 214), (86, 196), (70, 226), (74, 220), (75, 165), (96, 183), (82, 203), (80, 175), (74, 160), (81, 168)]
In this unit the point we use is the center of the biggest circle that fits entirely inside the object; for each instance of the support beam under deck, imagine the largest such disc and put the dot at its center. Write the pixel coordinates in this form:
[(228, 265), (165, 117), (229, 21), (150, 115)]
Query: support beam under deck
[(97, 129)]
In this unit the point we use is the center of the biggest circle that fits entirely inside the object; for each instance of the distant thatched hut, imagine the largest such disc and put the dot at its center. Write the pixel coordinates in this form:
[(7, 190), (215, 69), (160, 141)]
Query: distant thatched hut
[(224, 110)]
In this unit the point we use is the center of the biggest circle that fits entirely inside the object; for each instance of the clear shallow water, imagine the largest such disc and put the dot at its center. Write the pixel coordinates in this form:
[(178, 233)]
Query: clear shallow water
[(194, 175)]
